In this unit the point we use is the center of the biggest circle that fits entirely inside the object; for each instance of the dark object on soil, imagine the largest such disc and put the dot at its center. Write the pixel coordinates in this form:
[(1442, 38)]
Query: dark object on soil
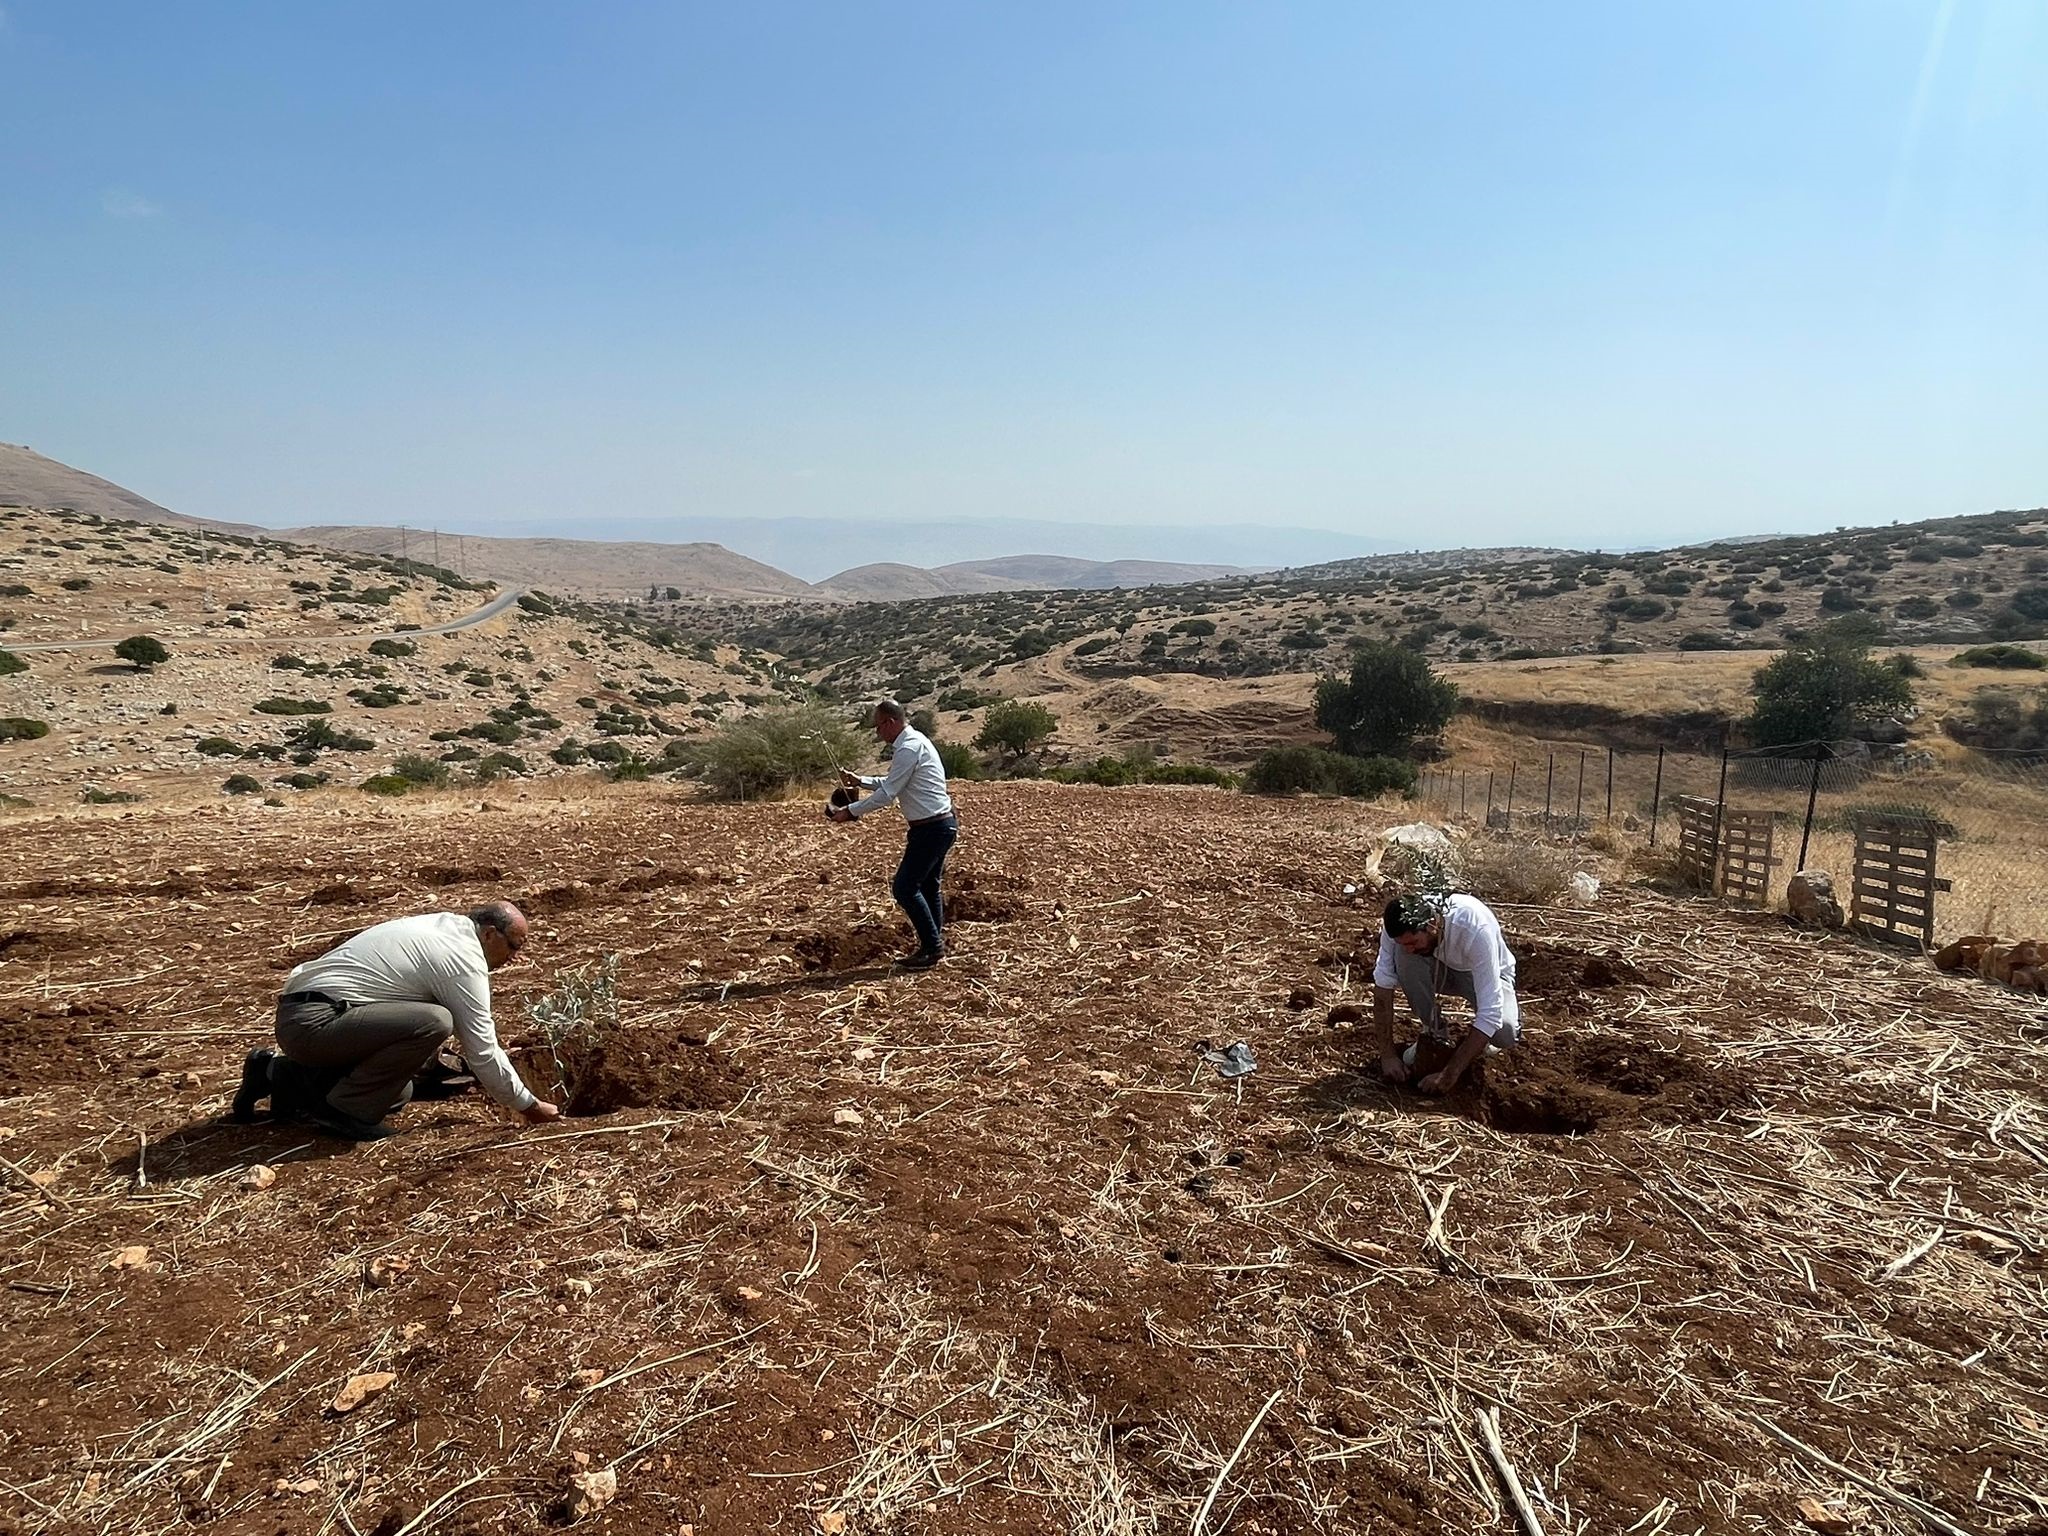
[(1300, 998), (841, 798), (1344, 1013), (255, 1086)]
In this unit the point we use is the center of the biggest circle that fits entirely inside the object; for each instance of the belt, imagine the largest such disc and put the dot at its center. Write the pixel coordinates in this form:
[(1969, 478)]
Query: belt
[(314, 997), (925, 821)]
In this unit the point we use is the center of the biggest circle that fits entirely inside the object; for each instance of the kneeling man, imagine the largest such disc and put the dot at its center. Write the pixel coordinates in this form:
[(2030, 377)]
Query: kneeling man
[(358, 1025), (1431, 945)]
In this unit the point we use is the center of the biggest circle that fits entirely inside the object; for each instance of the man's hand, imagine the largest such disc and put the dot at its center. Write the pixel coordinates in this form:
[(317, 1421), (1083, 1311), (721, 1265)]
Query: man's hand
[(1393, 1069), (1439, 1082), (539, 1112), (850, 780), (840, 813)]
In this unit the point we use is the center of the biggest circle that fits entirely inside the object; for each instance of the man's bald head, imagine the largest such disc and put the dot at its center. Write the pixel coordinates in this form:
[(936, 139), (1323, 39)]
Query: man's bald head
[(501, 927)]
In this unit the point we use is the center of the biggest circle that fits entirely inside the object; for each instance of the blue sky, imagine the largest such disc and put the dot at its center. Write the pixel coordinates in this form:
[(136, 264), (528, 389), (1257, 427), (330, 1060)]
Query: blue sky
[(1600, 273)]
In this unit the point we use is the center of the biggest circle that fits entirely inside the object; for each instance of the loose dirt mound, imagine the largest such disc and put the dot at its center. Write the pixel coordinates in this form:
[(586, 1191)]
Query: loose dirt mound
[(455, 874), (1552, 971), (660, 879), (34, 943), (845, 949), (344, 893), (1572, 1086), (556, 898), (642, 1069)]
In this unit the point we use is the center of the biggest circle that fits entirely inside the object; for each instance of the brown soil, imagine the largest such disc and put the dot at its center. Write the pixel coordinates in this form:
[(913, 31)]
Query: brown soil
[(846, 949), (454, 874), (984, 1223), (649, 1069), (1575, 1085)]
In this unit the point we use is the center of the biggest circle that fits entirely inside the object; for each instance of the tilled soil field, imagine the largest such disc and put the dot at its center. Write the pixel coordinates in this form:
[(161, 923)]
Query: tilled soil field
[(1747, 1235)]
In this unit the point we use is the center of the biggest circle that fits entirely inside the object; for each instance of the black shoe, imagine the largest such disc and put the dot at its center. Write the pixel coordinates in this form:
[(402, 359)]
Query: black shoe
[(255, 1086), (336, 1123), (440, 1082), (923, 960)]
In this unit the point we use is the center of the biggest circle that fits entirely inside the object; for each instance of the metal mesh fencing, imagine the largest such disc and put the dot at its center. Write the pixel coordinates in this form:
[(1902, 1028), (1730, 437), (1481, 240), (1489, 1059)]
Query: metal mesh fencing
[(1763, 815)]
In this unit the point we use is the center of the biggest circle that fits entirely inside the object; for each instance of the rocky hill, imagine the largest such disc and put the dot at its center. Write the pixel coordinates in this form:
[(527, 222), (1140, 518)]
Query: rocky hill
[(1015, 573)]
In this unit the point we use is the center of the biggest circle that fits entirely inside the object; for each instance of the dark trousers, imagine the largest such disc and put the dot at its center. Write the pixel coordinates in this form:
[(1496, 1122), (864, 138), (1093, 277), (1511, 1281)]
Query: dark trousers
[(363, 1056), (916, 886)]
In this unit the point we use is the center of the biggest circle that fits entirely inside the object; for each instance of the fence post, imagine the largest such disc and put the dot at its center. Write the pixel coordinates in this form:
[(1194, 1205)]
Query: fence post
[(1489, 799), (1507, 815), (1720, 803), (1464, 778), (1657, 797), (1812, 798), (1549, 778), (1610, 786), (1579, 794)]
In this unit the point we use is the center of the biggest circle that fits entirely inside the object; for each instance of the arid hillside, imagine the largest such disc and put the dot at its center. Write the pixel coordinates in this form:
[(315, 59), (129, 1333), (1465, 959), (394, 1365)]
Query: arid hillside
[(1750, 1218), (291, 668)]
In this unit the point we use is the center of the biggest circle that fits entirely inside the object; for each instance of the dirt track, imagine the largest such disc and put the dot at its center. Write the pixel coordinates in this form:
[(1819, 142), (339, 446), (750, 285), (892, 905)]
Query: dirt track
[(1054, 1270)]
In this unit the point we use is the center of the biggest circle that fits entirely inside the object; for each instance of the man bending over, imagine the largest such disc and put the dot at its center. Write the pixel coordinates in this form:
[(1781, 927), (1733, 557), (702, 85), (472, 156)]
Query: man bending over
[(358, 1025), (1431, 945)]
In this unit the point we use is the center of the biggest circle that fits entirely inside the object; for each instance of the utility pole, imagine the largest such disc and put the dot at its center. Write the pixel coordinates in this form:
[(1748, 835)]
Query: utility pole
[(437, 547), (401, 541)]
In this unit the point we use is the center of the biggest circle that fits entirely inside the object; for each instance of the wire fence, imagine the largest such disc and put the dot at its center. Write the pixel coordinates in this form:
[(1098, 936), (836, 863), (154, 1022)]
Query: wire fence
[(1963, 833)]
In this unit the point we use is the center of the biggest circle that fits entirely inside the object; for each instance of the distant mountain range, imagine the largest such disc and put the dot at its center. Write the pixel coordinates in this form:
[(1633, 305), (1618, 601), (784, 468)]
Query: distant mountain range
[(629, 568)]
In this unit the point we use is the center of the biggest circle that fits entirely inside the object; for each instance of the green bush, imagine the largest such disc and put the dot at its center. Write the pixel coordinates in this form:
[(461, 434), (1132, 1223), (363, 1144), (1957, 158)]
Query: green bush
[(1190, 773), (217, 746), (1824, 687), (570, 754), (1105, 770), (143, 651), (1316, 770), (2012, 658), (283, 706), (1015, 728), (386, 784), (774, 751), (393, 648), (303, 780), (1391, 697), (416, 769), (11, 663), (1705, 640), (1197, 627), (241, 784), (959, 760), (108, 797), (15, 728)]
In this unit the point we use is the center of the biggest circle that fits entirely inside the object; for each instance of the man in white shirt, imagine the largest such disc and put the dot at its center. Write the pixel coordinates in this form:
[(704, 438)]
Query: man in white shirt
[(916, 782), (360, 1023), (1430, 945)]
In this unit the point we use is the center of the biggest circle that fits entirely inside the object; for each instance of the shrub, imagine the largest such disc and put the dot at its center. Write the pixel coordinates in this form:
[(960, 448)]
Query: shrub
[(303, 780), (1015, 728), (1197, 627), (283, 706), (108, 797), (1391, 697), (570, 754), (11, 663), (393, 648), (416, 769), (1964, 598), (1527, 874), (217, 746), (241, 784), (1917, 608), (1824, 687), (1316, 770), (1190, 773), (959, 760), (2012, 658), (143, 652), (386, 784), (773, 751), (15, 728), (2000, 719), (77, 584), (1705, 640)]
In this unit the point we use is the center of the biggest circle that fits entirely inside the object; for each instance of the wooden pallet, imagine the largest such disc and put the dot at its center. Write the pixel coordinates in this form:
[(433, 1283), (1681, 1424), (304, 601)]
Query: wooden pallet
[(1746, 860), (1894, 883), (1698, 840)]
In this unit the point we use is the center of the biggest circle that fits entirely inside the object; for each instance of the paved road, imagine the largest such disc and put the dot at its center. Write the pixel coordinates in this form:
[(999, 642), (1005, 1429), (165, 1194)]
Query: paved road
[(490, 610)]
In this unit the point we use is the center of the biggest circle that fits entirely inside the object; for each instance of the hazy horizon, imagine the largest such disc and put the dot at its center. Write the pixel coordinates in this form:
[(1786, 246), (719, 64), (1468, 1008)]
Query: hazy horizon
[(1596, 276)]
